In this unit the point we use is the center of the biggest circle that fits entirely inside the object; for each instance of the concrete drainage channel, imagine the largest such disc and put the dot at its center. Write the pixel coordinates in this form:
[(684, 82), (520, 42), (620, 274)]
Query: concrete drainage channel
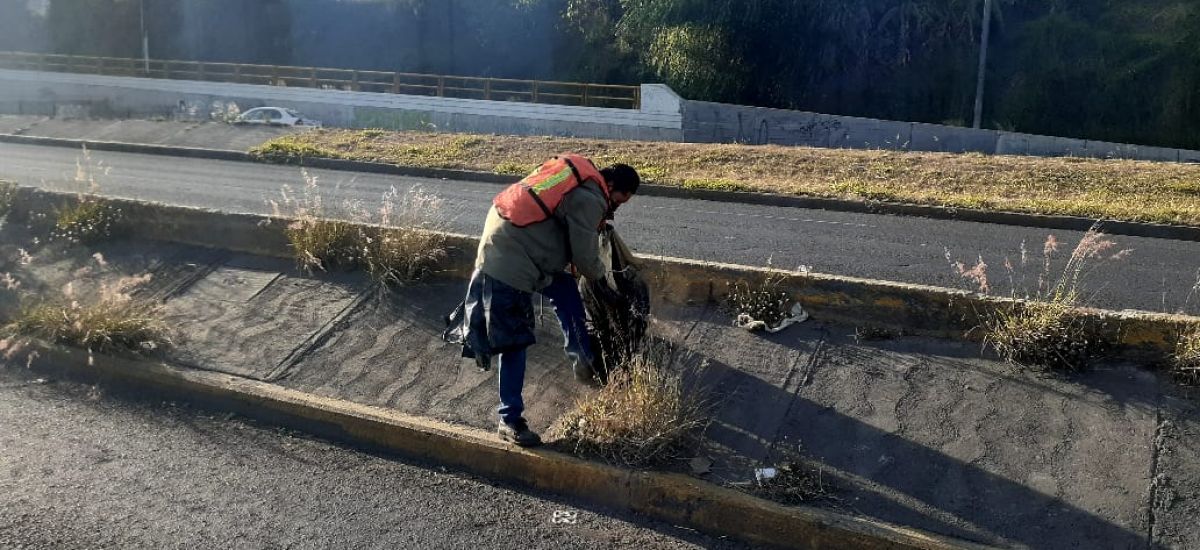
[(898, 307), (671, 497)]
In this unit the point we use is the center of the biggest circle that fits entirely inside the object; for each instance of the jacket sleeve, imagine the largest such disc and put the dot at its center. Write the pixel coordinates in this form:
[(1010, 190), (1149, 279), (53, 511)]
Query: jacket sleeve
[(584, 211)]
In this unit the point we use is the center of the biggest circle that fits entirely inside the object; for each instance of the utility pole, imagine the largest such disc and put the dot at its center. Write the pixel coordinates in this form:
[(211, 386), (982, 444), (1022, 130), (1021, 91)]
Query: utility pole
[(145, 39), (983, 51)]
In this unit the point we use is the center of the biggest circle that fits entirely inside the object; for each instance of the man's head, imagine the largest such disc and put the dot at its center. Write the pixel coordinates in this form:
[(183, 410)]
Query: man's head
[(623, 182)]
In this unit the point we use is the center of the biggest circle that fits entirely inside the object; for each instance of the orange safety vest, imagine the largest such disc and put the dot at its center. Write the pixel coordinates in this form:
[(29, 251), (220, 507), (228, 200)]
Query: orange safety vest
[(535, 198)]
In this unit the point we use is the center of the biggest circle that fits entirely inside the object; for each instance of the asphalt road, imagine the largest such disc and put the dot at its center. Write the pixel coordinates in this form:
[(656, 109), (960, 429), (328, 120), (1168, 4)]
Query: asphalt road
[(1156, 275), (82, 469)]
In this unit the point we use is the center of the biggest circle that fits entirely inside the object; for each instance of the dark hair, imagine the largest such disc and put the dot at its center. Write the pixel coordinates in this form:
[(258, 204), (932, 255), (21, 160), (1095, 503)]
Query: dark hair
[(621, 177)]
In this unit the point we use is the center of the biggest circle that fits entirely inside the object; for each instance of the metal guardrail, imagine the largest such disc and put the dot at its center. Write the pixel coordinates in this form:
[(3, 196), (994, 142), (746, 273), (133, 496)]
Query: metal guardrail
[(463, 87)]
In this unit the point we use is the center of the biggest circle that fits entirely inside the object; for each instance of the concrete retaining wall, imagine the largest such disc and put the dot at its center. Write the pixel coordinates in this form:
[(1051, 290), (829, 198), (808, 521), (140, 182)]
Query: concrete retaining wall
[(705, 122), (48, 93)]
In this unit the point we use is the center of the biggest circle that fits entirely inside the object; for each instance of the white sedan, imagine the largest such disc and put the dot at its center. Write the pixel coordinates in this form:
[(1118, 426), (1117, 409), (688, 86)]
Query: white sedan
[(276, 116)]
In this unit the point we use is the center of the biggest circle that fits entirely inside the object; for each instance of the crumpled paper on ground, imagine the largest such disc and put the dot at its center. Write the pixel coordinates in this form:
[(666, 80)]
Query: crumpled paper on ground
[(797, 315)]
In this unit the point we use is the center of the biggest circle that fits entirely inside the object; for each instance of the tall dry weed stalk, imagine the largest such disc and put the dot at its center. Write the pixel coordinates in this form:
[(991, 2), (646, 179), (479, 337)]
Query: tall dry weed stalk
[(90, 218), (396, 241), (652, 410), (1042, 328)]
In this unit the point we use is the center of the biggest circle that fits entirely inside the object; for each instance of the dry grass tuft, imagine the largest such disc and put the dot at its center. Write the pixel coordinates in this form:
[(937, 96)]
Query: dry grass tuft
[(1185, 362), (108, 320), (395, 243), (651, 411), (1097, 188), (1041, 334)]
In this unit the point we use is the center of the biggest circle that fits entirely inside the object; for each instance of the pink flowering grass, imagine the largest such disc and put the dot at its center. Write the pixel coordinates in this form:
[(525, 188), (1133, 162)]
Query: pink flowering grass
[(1041, 328)]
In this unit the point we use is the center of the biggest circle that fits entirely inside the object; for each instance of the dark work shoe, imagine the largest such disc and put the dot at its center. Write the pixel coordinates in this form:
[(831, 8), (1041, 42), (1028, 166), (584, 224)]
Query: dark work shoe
[(520, 434)]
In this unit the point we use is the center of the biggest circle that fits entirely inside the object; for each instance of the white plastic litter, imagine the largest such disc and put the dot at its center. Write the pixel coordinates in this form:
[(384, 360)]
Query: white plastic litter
[(763, 474), (798, 315)]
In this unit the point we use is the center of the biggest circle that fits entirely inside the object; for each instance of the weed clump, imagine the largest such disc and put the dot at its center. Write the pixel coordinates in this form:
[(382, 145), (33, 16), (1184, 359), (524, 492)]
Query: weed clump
[(651, 411), (89, 218), (88, 221), (1043, 329), (288, 149), (1042, 334), (1185, 361), (108, 320), (514, 168), (393, 243), (763, 305)]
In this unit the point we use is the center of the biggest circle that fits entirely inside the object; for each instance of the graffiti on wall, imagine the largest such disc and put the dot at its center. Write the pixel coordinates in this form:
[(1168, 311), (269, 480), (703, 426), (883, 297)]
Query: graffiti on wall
[(756, 129)]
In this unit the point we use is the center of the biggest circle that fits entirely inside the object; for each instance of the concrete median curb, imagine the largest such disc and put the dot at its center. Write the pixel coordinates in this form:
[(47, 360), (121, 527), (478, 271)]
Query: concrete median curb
[(897, 307), (668, 497), (1021, 219)]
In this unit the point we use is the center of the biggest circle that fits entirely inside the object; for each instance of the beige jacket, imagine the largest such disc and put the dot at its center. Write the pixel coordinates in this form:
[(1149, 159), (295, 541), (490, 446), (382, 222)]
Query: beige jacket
[(526, 258)]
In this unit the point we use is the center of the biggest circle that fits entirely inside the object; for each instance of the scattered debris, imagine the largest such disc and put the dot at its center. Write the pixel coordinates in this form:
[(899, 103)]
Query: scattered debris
[(790, 483), (796, 315)]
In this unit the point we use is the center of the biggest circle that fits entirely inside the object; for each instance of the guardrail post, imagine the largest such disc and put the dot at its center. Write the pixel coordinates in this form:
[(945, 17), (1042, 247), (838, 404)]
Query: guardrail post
[(274, 75), (395, 83), (441, 86), (533, 97), (237, 73), (637, 98), (586, 88), (354, 80), (312, 76), (487, 88)]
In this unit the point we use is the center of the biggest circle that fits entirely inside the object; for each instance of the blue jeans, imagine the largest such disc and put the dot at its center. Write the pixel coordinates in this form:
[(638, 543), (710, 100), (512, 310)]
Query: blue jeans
[(568, 306)]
